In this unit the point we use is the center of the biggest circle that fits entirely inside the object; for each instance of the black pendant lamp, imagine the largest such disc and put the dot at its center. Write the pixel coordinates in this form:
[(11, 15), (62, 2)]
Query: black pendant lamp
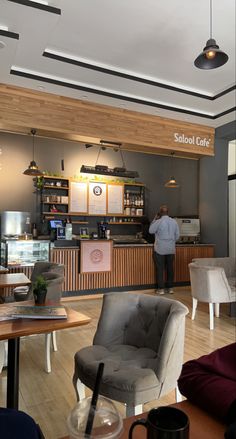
[(172, 183), (211, 57), (32, 169)]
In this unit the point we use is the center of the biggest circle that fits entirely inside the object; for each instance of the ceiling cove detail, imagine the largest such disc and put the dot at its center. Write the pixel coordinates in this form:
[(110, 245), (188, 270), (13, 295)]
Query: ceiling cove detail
[(8, 34), (26, 74), (34, 4), (109, 71)]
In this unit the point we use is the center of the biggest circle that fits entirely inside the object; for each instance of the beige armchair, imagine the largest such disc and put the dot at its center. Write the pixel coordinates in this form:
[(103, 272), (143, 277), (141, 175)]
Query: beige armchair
[(209, 284)]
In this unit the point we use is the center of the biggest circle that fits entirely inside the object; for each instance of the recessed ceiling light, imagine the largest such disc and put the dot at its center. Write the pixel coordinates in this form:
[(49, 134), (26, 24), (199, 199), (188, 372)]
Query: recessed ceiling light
[(2, 45), (40, 87), (84, 97)]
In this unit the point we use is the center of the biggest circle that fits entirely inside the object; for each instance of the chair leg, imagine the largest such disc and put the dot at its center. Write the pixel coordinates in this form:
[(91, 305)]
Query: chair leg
[(47, 352), (217, 309), (194, 308), (132, 410), (178, 396), (54, 341), (2, 355), (211, 312), (80, 389)]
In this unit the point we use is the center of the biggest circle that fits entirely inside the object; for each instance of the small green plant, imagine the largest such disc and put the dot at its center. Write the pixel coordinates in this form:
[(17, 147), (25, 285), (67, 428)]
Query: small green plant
[(40, 183), (40, 283), (40, 290)]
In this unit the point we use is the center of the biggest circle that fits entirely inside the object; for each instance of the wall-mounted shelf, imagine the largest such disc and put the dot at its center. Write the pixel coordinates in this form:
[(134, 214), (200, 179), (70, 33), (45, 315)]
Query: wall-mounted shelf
[(55, 203), (79, 222), (48, 186), (124, 222)]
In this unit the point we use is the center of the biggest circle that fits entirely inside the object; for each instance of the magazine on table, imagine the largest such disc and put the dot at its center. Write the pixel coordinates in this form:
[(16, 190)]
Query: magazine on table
[(33, 312)]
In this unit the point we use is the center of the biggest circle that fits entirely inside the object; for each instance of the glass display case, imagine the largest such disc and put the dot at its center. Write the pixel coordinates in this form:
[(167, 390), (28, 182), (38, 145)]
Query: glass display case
[(15, 253)]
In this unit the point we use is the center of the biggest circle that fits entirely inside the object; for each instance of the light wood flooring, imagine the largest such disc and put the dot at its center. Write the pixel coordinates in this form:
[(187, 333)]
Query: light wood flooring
[(48, 398)]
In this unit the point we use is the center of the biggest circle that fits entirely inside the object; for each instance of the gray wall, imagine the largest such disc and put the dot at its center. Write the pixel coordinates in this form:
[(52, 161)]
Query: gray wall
[(213, 191), (16, 189)]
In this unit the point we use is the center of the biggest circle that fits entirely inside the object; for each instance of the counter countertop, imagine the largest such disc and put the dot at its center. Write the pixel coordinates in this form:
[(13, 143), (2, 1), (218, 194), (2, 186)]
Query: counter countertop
[(131, 245)]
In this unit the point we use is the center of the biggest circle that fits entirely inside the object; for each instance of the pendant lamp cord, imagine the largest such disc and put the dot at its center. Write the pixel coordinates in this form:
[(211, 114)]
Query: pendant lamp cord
[(211, 19), (33, 132), (99, 152), (172, 164), (121, 154), (122, 157), (33, 147)]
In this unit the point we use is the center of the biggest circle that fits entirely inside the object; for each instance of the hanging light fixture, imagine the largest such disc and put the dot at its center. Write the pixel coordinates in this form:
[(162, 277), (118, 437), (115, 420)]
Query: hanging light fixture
[(32, 169), (172, 183), (211, 56), (104, 169)]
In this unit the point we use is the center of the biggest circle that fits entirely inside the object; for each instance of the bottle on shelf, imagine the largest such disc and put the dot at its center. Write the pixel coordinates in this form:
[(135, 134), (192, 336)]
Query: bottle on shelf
[(68, 229), (127, 199), (34, 231)]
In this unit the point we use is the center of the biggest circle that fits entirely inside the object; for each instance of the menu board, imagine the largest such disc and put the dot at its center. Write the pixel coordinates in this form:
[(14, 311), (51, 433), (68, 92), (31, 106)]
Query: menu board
[(115, 199), (78, 197), (97, 198)]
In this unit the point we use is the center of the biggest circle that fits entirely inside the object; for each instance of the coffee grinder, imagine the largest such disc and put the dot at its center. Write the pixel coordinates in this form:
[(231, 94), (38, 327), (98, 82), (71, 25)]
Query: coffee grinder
[(102, 227)]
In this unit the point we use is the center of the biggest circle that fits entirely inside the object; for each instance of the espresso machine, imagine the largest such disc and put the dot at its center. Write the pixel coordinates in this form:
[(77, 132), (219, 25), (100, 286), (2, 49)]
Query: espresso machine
[(189, 229)]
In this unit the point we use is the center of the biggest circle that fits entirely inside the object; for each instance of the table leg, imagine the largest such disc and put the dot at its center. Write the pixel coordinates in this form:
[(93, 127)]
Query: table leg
[(13, 373), (232, 309)]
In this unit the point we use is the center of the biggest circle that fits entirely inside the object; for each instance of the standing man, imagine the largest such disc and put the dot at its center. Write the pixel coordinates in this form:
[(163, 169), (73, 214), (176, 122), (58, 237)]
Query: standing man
[(166, 232)]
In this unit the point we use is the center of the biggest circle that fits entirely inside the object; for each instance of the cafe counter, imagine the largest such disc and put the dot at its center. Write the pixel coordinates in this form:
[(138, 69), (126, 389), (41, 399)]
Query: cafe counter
[(132, 267)]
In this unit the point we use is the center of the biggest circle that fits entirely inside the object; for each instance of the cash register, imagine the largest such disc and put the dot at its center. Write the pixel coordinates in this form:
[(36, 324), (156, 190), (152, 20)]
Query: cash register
[(57, 230)]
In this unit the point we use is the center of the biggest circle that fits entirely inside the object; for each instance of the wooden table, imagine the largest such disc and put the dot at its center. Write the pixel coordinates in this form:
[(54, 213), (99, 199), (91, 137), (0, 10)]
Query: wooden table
[(202, 425), (3, 269), (12, 330), (12, 280)]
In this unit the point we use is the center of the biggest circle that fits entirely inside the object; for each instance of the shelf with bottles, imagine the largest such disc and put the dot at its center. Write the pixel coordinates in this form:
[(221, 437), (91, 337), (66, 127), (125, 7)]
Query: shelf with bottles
[(134, 200)]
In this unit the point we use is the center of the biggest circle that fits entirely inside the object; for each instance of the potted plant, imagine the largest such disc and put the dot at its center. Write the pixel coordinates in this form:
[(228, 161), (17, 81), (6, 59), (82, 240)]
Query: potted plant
[(40, 290)]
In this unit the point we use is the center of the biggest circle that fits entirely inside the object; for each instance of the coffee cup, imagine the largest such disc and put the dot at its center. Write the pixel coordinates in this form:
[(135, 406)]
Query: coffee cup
[(164, 423)]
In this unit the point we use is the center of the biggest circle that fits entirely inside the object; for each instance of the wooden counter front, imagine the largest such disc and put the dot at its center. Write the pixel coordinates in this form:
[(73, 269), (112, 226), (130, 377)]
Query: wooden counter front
[(132, 266)]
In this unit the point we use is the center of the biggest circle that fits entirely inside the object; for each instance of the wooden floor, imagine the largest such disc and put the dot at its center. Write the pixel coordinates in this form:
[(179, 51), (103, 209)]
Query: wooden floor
[(48, 398)]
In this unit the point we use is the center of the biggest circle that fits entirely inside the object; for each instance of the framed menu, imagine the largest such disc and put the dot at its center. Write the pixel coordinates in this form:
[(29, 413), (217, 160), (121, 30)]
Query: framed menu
[(96, 256), (115, 199), (78, 200), (97, 198)]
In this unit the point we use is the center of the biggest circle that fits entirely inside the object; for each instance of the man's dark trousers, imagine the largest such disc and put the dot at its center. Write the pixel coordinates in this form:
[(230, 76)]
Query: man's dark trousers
[(164, 262)]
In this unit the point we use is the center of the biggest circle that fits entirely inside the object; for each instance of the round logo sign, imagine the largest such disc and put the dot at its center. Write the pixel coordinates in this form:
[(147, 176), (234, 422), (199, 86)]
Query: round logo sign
[(96, 256), (97, 190)]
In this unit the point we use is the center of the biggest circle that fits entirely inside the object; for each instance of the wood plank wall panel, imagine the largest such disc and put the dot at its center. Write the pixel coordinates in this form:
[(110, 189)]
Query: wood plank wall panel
[(131, 266), (70, 259), (72, 119), (184, 256)]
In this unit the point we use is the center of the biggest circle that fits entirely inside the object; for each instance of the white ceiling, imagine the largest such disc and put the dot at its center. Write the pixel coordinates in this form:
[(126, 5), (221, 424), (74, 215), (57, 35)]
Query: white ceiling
[(156, 40)]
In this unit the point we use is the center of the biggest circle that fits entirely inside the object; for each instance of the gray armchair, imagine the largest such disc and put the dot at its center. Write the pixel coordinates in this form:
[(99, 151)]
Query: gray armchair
[(47, 270), (140, 339), (209, 284)]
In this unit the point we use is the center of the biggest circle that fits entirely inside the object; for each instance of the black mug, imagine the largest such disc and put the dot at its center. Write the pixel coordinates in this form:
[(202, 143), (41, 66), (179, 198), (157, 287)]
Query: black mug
[(164, 423)]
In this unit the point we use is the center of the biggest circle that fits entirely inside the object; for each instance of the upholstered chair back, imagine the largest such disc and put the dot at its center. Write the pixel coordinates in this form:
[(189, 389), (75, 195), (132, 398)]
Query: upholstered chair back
[(209, 283)]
